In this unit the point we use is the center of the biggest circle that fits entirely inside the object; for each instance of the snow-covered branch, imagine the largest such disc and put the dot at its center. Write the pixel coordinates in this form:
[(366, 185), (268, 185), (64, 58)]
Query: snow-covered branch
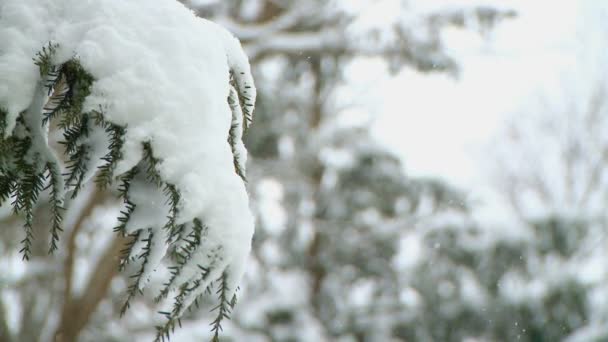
[(137, 107)]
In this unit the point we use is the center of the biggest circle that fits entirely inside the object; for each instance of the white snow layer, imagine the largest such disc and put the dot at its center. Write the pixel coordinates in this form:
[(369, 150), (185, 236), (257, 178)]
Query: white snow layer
[(165, 75)]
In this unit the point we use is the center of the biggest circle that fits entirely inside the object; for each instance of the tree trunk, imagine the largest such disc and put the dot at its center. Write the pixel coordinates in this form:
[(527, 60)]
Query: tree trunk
[(77, 312)]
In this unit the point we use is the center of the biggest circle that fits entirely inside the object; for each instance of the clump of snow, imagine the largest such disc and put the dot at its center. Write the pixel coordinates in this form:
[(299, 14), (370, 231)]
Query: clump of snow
[(165, 75)]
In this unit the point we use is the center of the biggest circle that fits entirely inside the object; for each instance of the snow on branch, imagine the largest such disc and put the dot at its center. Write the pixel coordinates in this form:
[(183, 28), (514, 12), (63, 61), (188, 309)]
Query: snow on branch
[(148, 96)]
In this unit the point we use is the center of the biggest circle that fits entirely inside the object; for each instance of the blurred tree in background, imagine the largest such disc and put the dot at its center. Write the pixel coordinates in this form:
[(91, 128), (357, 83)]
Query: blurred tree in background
[(326, 270), (347, 248)]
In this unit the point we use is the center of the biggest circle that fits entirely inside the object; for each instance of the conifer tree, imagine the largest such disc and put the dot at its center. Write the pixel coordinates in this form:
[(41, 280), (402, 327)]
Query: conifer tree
[(346, 201)]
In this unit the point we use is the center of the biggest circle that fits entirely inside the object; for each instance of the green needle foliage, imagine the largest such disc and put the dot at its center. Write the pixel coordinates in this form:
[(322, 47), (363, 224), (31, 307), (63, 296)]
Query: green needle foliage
[(135, 287), (56, 205), (29, 169), (106, 171), (224, 308)]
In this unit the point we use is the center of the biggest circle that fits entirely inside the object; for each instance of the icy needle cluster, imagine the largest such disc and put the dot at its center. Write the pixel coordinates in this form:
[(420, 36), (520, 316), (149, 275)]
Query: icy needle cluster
[(151, 97)]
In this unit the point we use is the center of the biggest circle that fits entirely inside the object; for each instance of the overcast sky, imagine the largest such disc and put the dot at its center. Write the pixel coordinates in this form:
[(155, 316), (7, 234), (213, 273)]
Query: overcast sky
[(444, 126), (440, 125)]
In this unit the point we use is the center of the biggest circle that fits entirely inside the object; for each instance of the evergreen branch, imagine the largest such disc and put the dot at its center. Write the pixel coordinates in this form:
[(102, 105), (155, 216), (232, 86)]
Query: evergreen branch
[(124, 217), (7, 186), (178, 236), (152, 175), (3, 116), (123, 190), (44, 58), (235, 134), (57, 103), (25, 161), (175, 243), (184, 254), (224, 308), (246, 93), (135, 287), (125, 182), (27, 190), (175, 271), (79, 83), (106, 171), (163, 332), (26, 250), (99, 119), (207, 292), (232, 140), (173, 198), (77, 168), (170, 190), (127, 252), (8, 155), (73, 134), (52, 78), (56, 205), (21, 148)]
